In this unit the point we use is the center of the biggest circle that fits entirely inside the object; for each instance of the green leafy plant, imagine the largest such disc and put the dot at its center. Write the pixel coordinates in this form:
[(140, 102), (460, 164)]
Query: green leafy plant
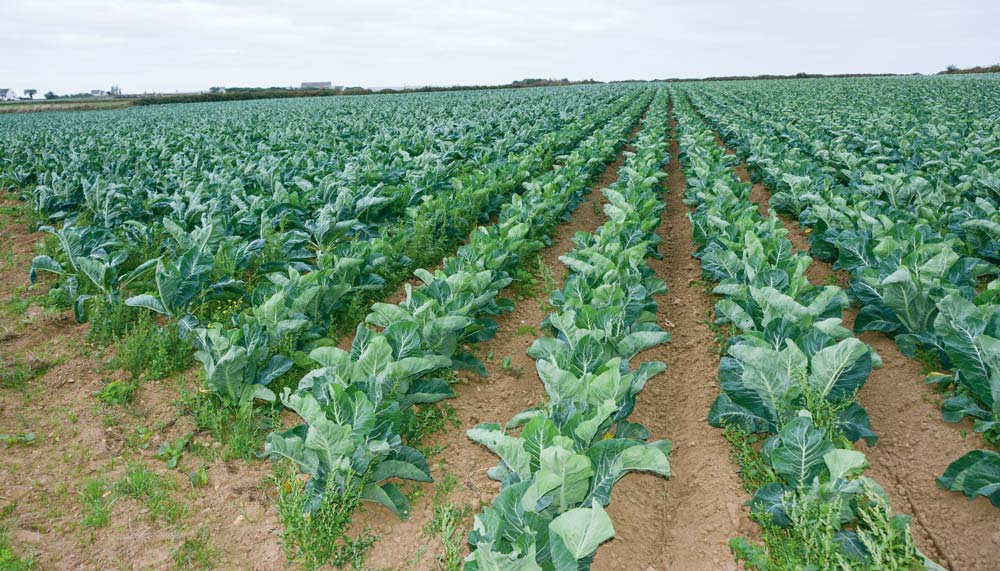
[(790, 375), (171, 452), (18, 439), (117, 392)]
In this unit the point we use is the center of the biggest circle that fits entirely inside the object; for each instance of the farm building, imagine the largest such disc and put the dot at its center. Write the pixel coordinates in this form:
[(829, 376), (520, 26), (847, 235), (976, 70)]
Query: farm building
[(317, 85), (7, 94)]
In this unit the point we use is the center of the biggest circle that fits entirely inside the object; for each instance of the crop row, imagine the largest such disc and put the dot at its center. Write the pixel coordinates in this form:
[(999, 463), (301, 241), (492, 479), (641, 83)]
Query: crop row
[(278, 186), (352, 402), (557, 471), (790, 372), (136, 195), (321, 263), (910, 206)]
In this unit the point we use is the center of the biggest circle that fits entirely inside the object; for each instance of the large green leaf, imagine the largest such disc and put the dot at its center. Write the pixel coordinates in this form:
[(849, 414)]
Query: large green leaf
[(147, 301), (838, 371), (961, 327), (46, 264), (975, 474), (799, 455), (389, 496), (564, 475), (486, 559), (510, 449), (615, 457), (912, 305), (581, 531)]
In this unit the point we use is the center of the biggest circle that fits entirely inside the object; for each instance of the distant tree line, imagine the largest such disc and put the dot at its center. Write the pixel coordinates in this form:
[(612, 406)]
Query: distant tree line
[(954, 69), (800, 75)]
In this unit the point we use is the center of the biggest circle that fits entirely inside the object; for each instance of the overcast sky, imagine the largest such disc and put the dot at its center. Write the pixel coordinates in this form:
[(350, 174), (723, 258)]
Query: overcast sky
[(171, 45)]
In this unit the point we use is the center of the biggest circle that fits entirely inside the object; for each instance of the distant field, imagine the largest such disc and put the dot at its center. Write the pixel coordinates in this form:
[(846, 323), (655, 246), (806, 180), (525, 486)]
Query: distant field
[(426, 330), (63, 105)]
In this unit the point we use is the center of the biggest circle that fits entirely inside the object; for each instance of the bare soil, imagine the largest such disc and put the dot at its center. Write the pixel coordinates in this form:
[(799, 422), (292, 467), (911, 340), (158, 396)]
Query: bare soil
[(684, 522), (915, 445)]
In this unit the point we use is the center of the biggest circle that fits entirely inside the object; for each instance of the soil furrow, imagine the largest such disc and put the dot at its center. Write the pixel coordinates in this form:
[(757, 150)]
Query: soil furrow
[(915, 445), (685, 522), (497, 398)]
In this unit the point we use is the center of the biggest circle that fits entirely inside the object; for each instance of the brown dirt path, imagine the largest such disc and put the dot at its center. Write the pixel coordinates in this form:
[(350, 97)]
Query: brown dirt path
[(497, 398), (683, 523), (915, 445)]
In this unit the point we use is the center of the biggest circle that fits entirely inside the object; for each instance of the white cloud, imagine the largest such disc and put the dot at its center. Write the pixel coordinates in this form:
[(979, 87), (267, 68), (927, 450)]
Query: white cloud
[(167, 45)]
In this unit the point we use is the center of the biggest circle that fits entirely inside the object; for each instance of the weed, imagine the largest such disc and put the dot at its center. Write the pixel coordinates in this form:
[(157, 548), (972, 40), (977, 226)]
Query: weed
[(10, 561), (507, 364), (18, 303), (218, 310), (239, 432), (423, 421), (928, 360), (96, 503), (814, 537), (320, 537), (18, 439), (886, 537), (196, 552), (528, 330), (548, 283), (141, 437), (153, 490), (16, 374), (117, 392), (449, 523), (198, 478), (141, 346), (108, 322), (171, 452), (720, 336), (152, 350), (754, 470)]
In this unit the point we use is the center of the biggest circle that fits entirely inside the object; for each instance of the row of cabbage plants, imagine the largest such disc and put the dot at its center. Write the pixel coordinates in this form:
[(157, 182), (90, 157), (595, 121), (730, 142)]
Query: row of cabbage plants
[(351, 402), (324, 266), (790, 371), (199, 231), (912, 211), (559, 460), (231, 162), (297, 309)]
